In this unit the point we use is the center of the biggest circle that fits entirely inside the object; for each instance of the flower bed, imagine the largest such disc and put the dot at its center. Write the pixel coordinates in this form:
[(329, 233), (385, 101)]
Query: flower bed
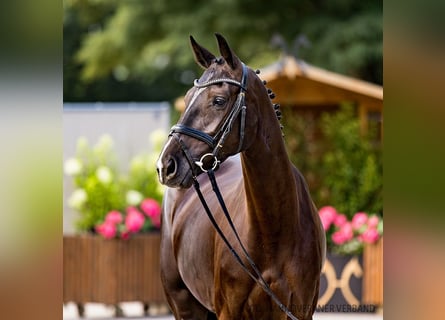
[(100, 188), (115, 257), (349, 237)]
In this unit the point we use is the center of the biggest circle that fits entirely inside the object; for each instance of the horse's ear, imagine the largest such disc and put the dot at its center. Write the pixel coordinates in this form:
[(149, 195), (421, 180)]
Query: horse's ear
[(202, 56), (226, 52)]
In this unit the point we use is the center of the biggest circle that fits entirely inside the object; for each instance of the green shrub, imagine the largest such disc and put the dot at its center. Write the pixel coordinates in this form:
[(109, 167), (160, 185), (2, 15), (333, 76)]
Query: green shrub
[(100, 188), (351, 166), (343, 169)]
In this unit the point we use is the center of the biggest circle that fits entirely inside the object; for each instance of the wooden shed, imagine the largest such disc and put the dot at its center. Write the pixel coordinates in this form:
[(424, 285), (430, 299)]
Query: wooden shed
[(301, 85)]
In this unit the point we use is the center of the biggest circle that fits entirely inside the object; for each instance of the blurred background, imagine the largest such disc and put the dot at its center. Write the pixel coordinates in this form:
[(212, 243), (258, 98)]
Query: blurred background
[(126, 67), (32, 89), (139, 51), (135, 51)]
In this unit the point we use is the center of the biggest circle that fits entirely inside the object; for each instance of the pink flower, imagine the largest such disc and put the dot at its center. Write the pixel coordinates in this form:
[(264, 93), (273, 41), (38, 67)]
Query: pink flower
[(326, 224), (327, 216), (371, 235), (114, 217), (134, 219), (107, 230), (156, 221), (125, 235), (346, 229), (151, 208), (343, 235), (359, 219), (338, 238), (373, 221), (340, 220)]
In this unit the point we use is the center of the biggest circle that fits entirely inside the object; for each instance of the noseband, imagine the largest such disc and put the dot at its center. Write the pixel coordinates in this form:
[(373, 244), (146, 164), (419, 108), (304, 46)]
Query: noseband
[(217, 141)]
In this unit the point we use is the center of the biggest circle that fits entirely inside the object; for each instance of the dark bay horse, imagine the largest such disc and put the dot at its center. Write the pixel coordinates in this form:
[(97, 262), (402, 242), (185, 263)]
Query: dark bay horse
[(265, 194)]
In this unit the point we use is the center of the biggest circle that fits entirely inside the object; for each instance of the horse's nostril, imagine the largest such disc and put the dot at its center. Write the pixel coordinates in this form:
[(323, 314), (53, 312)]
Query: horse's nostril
[(171, 167)]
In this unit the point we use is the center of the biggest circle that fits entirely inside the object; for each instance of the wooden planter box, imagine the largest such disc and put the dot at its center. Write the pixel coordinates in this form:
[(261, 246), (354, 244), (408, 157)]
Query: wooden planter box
[(341, 284), (373, 274), (112, 271), (353, 283)]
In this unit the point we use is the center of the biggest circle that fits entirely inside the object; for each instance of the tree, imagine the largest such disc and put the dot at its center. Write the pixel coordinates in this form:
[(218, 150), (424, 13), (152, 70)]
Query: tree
[(138, 50)]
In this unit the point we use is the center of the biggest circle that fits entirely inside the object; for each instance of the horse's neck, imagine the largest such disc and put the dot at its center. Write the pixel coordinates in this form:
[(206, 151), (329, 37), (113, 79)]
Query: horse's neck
[(270, 186)]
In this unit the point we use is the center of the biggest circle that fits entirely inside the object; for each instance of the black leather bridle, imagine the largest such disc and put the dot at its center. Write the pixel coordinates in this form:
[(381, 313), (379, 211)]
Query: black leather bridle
[(216, 143)]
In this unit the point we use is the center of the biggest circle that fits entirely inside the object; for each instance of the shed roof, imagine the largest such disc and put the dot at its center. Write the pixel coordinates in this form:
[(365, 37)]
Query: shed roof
[(298, 83)]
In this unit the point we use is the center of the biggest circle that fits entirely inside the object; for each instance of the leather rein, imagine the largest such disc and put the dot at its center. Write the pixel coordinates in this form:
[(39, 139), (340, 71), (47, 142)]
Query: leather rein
[(216, 143)]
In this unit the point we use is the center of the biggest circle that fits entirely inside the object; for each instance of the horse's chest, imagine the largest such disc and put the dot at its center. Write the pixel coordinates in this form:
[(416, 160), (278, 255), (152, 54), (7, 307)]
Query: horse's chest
[(193, 250)]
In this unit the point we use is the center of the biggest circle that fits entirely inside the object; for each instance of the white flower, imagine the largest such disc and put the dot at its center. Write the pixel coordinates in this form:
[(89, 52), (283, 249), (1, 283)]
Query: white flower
[(134, 197), (104, 174), (105, 143), (160, 187), (151, 162), (77, 199), (157, 138), (72, 167), (82, 144), (137, 163)]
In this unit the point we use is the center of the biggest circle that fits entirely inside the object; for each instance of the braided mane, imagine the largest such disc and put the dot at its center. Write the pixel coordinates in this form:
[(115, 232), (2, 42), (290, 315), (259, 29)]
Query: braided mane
[(276, 106)]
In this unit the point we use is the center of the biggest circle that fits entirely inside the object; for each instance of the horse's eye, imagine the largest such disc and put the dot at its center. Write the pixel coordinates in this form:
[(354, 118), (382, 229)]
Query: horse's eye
[(219, 101)]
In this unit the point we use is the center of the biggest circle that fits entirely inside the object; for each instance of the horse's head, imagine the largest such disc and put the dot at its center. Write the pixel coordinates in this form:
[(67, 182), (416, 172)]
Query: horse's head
[(216, 123)]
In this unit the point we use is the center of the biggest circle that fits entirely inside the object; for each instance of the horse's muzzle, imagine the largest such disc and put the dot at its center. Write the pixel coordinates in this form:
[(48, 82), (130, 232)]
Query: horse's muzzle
[(173, 170), (167, 168)]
